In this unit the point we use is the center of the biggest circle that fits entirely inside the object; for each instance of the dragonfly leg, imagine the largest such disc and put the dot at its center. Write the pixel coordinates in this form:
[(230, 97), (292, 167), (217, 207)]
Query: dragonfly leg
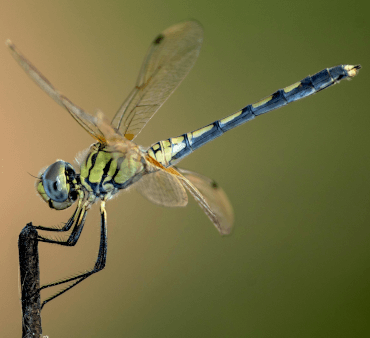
[(99, 264), (78, 218), (66, 226)]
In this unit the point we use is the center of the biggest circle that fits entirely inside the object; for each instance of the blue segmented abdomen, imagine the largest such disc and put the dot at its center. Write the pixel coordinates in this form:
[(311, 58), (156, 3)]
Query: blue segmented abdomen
[(172, 150)]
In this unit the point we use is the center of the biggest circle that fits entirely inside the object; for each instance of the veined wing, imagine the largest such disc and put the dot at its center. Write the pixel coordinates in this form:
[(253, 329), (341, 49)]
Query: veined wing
[(166, 187), (170, 57), (211, 198), (84, 119), (162, 188)]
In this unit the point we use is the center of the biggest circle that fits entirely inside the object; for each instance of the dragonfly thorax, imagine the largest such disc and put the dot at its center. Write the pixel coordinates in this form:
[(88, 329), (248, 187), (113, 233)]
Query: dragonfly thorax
[(109, 168)]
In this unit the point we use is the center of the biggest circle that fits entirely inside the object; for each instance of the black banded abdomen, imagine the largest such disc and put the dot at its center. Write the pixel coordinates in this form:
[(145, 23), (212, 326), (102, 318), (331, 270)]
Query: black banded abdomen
[(172, 150)]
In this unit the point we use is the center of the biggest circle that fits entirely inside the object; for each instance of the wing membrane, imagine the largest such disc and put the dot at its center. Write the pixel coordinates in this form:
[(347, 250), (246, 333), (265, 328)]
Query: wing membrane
[(170, 57), (211, 198), (165, 186), (163, 189), (84, 119)]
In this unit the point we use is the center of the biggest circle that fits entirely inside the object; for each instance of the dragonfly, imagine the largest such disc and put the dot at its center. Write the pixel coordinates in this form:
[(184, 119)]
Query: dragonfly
[(114, 162)]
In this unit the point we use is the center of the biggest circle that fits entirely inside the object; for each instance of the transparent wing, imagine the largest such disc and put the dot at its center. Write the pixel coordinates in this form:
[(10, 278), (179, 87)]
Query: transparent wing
[(84, 119), (163, 189), (211, 198), (169, 59)]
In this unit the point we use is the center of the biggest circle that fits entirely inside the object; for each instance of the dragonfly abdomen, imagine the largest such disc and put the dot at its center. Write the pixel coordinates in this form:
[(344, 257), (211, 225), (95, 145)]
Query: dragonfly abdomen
[(172, 150)]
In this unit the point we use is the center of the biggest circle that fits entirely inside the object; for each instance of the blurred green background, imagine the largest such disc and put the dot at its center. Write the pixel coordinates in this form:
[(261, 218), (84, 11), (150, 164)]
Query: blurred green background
[(297, 263)]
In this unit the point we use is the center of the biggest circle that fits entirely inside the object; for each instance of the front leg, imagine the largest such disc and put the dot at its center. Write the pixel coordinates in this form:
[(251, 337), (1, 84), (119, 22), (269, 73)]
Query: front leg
[(100, 261), (78, 218)]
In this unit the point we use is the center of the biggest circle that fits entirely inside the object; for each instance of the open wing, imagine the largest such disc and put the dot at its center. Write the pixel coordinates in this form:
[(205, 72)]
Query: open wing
[(169, 59), (162, 186), (165, 186), (84, 119), (211, 198), (163, 189)]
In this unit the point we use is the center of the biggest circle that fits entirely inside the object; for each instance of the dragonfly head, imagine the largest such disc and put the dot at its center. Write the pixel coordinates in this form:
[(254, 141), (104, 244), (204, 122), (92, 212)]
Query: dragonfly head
[(58, 185)]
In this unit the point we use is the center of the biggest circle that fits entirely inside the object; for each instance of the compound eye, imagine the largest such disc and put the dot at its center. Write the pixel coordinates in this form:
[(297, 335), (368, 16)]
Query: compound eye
[(54, 182)]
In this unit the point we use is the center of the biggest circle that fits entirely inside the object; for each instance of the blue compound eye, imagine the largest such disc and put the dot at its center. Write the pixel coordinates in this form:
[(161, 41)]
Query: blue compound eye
[(55, 183)]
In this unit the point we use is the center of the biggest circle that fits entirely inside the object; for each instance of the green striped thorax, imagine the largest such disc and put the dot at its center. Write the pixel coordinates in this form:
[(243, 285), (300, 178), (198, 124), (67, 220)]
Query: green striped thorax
[(58, 185), (105, 170), (110, 167)]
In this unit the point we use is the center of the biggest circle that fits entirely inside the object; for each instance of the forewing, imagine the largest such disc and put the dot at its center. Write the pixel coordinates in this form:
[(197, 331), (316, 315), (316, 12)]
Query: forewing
[(169, 59), (211, 198), (84, 119), (163, 189)]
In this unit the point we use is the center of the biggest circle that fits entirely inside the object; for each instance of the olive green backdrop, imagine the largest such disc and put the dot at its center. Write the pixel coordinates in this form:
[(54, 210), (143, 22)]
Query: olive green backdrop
[(297, 263)]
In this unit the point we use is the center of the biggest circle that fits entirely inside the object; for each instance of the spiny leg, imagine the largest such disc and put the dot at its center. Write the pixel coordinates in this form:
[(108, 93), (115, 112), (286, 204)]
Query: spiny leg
[(99, 264), (78, 218), (66, 227), (70, 222)]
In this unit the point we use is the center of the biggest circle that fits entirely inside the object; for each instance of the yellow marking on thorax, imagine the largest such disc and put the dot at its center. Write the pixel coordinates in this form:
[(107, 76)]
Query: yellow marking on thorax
[(85, 184), (130, 166), (96, 172), (291, 87), (231, 117), (262, 102), (85, 167), (112, 168)]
